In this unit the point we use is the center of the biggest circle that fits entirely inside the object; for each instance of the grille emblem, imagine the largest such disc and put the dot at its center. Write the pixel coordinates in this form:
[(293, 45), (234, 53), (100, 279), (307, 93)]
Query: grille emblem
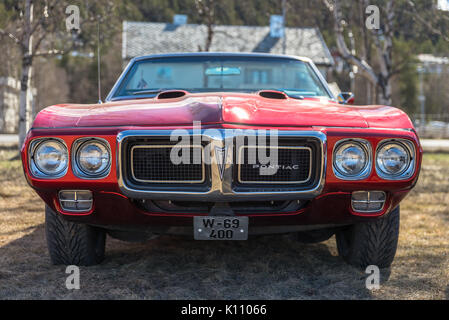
[(220, 157)]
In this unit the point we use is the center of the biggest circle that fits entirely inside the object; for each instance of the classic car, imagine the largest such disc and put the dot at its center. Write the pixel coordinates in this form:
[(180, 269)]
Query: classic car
[(222, 146)]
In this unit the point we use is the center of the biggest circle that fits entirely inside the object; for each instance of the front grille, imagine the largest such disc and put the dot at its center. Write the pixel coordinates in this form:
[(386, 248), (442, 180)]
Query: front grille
[(153, 164), (146, 170), (293, 165)]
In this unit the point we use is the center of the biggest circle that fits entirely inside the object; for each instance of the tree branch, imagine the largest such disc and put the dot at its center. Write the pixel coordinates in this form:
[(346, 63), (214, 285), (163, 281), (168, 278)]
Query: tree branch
[(343, 48), (11, 36), (415, 15), (40, 22)]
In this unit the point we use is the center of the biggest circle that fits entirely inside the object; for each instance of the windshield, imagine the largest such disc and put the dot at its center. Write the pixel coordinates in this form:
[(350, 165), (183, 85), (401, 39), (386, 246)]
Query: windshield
[(221, 73)]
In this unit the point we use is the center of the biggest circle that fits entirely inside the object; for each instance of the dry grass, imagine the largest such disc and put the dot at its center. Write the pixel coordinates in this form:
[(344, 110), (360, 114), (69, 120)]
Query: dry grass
[(262, 268)]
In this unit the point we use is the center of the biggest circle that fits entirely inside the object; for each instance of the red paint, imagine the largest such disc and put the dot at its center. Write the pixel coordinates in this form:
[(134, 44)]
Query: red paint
[(226, 110), (351, 100), (213, 108)]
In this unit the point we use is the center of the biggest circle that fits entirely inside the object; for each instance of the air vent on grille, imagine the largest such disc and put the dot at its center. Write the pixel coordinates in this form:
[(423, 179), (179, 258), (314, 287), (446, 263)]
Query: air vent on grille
[(153, 164), (293, 165)]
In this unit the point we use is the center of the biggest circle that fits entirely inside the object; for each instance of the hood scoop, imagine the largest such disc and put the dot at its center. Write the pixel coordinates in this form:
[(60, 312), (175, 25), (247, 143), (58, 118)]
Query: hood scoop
[(273, 94), (171, 94)]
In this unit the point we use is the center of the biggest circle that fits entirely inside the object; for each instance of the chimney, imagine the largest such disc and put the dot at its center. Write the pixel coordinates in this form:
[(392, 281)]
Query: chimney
[(276, 26), (179, 19)]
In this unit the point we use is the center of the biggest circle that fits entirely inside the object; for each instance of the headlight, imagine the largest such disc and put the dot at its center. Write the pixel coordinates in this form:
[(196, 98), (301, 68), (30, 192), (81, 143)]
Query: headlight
[(93, 158), (393, 160), (50, 158), (352, 159)]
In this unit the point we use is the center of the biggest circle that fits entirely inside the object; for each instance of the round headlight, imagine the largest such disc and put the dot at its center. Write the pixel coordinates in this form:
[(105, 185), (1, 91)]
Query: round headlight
[(93, 157), (51, 157), (350, 159), (393, 159)]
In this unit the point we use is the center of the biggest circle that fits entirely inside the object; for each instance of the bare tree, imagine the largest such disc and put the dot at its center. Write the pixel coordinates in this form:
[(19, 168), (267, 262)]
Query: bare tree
[(207, 12), (210, 11), (38, 31), (28, 35), (381, 79), (381, 70)]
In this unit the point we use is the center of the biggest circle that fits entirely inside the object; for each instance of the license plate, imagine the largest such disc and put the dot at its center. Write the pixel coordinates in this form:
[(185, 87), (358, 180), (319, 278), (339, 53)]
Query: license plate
[(220, 228)]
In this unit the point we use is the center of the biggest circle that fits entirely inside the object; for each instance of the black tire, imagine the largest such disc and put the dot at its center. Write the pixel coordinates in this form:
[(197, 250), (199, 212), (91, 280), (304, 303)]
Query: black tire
[(72, 243), (370, 243)]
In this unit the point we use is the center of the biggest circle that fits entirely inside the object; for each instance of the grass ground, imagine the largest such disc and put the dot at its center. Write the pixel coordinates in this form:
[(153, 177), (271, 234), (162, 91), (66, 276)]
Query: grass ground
[(273, 267)]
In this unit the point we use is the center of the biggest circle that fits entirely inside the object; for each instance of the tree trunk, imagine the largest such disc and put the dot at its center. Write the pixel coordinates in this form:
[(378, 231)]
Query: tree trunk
[(25, 81), (210, 35), (385, 92), (24, 105), (365, 69)]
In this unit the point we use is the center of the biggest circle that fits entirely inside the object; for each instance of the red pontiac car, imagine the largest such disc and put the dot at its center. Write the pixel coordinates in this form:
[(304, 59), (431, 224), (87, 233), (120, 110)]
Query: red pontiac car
[(220, 146)]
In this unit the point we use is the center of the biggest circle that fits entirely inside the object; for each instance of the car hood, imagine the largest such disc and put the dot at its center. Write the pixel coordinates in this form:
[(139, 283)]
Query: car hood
[(245, 109)]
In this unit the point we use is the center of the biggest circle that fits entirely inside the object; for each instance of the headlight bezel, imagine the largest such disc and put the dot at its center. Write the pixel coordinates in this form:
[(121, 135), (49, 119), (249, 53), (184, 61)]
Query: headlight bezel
[(77, 168), (365, 145), (409, 147), (35, 169)]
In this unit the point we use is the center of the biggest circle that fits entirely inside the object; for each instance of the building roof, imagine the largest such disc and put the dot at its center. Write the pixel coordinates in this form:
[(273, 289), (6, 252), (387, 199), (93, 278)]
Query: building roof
[(431, 59), (144, 38)]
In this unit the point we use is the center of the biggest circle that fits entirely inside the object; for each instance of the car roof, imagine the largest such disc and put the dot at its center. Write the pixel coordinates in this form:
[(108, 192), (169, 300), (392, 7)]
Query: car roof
[(221, 54)]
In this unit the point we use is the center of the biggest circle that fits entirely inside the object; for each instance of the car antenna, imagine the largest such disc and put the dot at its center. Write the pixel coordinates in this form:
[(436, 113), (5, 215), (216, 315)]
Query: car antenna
[(98, 62)]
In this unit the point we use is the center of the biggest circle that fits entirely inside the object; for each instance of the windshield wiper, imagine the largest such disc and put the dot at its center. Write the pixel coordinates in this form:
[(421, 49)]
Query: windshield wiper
[(152, 91), (295, 96)]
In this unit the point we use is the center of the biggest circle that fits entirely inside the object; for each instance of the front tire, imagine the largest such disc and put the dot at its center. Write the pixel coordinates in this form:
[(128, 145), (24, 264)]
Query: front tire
[(72, 243), (370, 243)]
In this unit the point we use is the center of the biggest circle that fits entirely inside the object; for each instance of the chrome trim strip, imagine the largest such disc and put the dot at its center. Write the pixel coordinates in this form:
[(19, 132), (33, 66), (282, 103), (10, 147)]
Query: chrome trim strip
[(321, 79), (365, 144), (75, 201), (119, 80), (313, 67), (220, 190), (406, 174), (203, 169), (239, 164), (368, 202), (364, 128)]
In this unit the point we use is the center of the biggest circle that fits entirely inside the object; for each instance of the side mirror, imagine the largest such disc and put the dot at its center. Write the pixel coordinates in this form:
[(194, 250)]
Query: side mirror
[(346, 98)]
